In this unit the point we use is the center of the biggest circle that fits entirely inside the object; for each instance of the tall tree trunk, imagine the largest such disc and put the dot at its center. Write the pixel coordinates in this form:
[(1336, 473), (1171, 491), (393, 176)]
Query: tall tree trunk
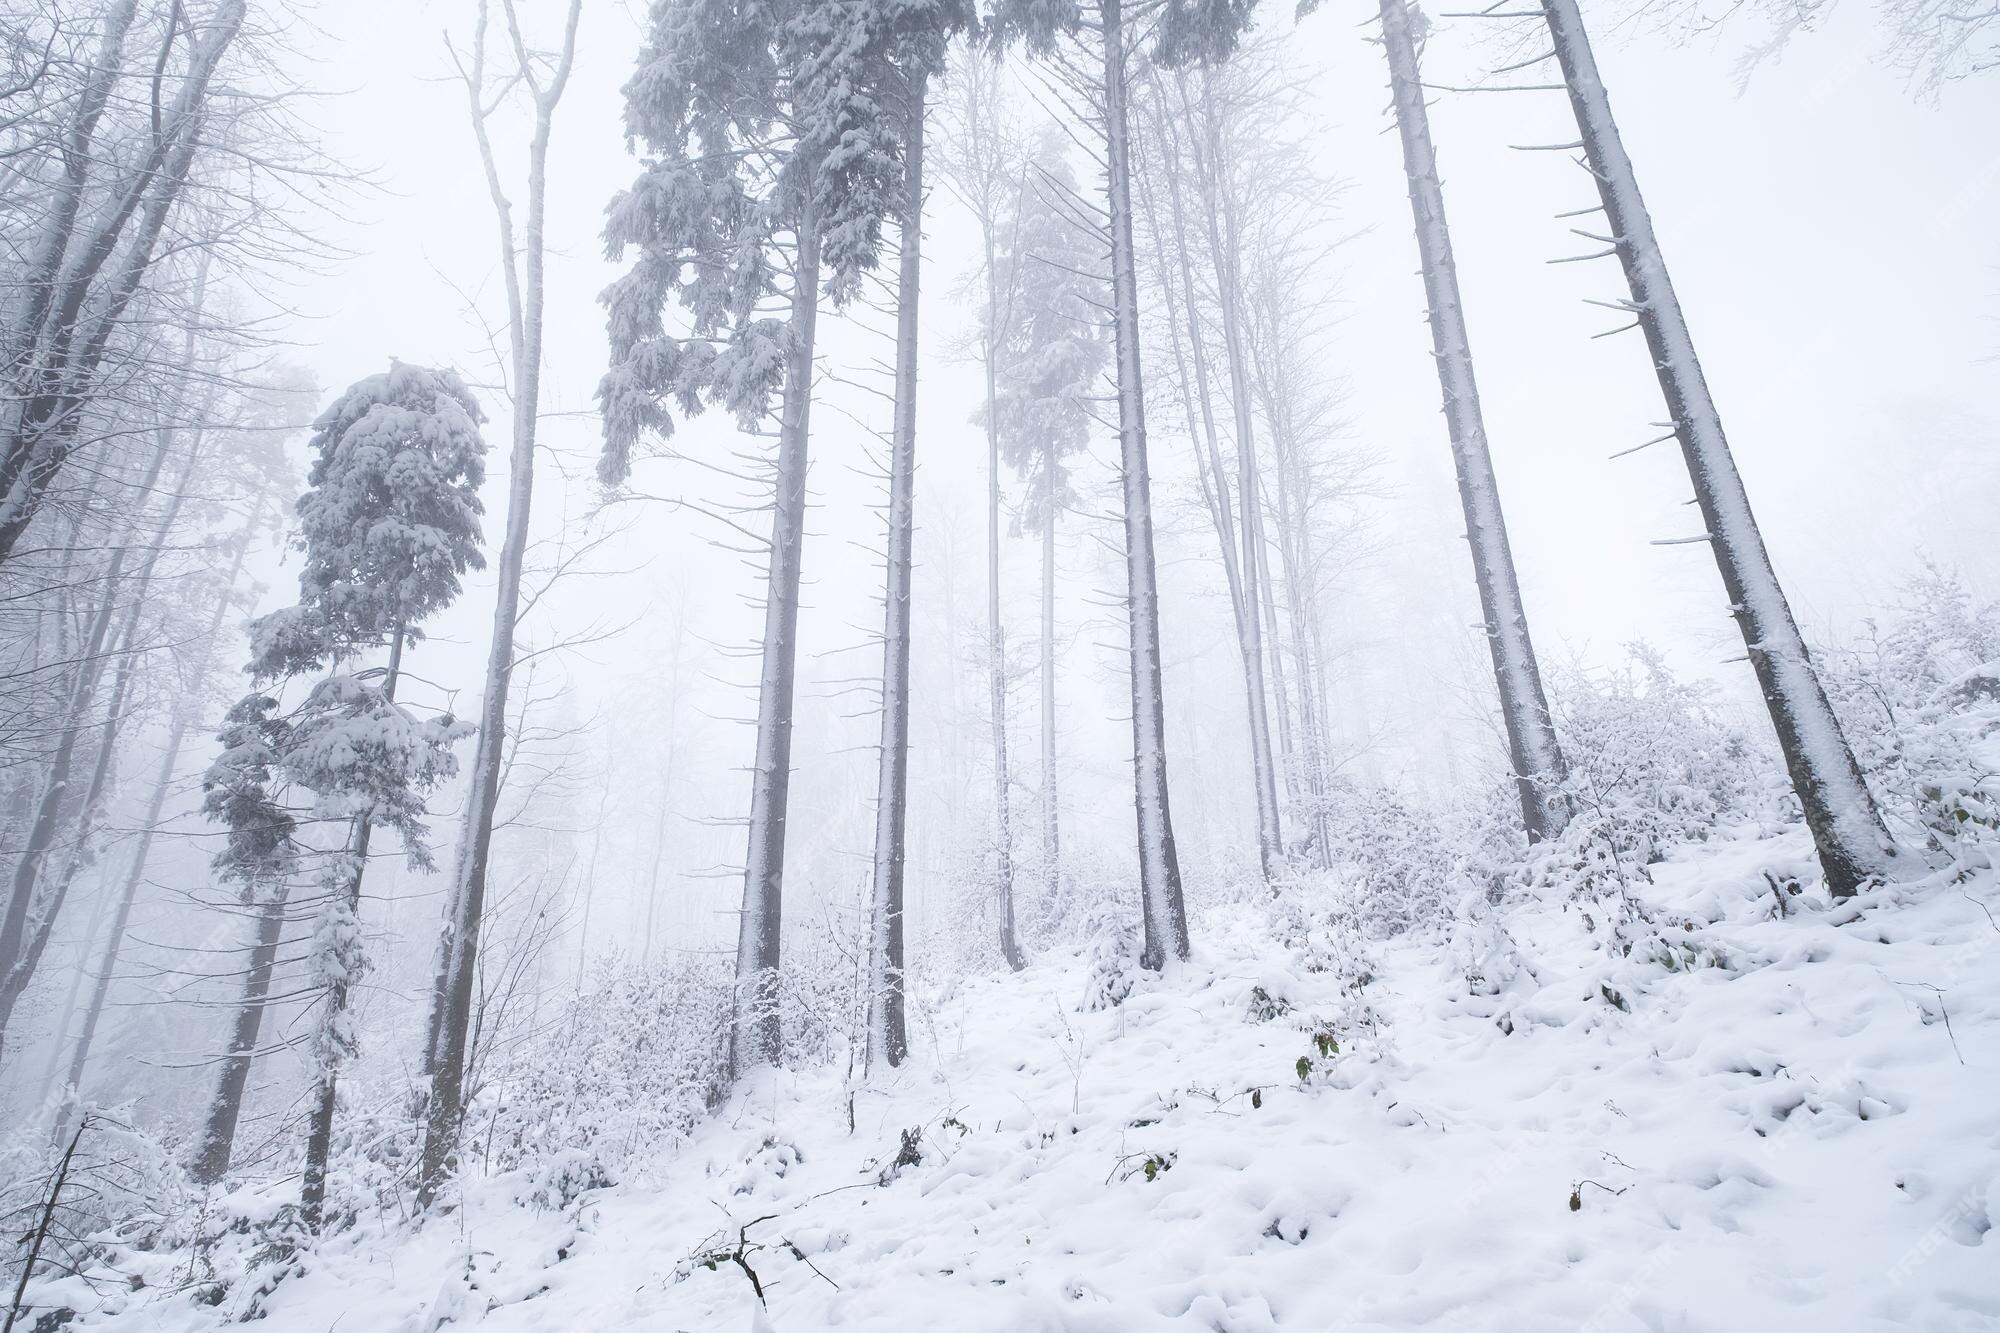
[(756, 1035), (888, 1039), (1051, 790), (1854, 847), (996, 640), (331, 1038), (1222, 511), (1536, 758), (1165, 913), (1222, 244), (225, 1107), (997, 319), (459, 949)]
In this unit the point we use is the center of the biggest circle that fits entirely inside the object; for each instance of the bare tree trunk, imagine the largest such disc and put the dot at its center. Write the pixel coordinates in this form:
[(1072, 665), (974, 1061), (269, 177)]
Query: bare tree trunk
[(756, 1035), (888, 1038), (1051, 790), (1854, 848), (1536, 758), (525, 283), (1165, 914), (1222, 242), (225, 1108), (1208, 452), (996, 639)]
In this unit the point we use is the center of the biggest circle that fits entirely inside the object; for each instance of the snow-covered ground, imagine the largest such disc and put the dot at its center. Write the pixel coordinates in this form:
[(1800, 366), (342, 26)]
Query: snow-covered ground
[(1806, 1136)]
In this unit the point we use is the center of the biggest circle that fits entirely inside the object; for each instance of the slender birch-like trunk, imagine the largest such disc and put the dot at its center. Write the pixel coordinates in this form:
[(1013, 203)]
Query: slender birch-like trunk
[(888, 1039), (756, 1035), (525, 282), (1165, 913), (1854, 847), (1051, 788), (996, 664), (998, 314), (1537, 759), (1222, 243)]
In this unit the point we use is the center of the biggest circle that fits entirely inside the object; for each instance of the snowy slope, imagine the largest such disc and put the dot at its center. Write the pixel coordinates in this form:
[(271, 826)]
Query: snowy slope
[(1806, 1137)]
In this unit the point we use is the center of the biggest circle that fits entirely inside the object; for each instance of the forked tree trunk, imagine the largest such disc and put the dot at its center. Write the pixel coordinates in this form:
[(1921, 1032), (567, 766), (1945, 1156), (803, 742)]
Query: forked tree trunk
[(1195, 398), (451, 1021), (1222, 244), (1854, 847), (1537, 759), (756, 1034), (1165, 913), (888, 1041)]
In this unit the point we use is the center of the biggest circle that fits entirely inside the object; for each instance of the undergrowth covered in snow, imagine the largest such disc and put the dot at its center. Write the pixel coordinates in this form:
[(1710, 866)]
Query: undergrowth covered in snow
[(1647, 1075)]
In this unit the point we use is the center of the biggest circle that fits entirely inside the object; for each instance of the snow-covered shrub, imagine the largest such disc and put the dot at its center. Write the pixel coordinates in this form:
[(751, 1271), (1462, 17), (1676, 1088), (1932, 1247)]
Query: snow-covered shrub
[(76, 1198), (1400, 863), (1111, 958), (1653, 759), (1918, 693), (626, 1069)]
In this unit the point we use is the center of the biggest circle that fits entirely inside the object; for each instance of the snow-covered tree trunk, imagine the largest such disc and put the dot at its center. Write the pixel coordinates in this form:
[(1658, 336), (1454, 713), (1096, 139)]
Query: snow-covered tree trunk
[(337, 960), (225, 1107), (1854, 848), (888, 1041), (458, 952), (1165, 914), (1531, 737), (756, 1036)]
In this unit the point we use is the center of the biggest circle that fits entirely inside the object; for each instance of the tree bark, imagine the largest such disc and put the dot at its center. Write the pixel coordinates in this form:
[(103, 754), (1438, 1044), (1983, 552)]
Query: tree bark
[(225, 1108), (525, 282), (996, 634), (888, 1037), (756, 1036), (1854, 847), (1164, 911), (1051, 787), (1532, 749), (1222, 242)]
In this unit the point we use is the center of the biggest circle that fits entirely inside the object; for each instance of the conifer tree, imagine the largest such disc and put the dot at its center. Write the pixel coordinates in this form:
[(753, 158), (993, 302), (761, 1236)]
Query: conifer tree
[(389, 524)]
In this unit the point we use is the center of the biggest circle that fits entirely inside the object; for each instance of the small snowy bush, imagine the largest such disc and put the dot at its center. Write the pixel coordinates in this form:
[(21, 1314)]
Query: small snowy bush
[(1919, 696), (1111, 959), (1653, 761), (1402, 862), (627, 1069)]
